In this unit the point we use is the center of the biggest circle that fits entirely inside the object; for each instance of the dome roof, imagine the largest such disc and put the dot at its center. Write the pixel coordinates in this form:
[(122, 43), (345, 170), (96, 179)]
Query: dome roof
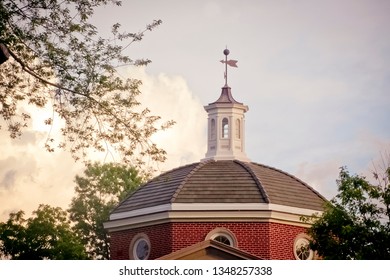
[(225, 181)]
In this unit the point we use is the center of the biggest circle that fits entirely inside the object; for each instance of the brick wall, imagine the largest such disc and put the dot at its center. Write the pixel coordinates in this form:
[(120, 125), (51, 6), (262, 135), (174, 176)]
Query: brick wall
[(251, 237), (160, 241), (282, 240), (266, 240)]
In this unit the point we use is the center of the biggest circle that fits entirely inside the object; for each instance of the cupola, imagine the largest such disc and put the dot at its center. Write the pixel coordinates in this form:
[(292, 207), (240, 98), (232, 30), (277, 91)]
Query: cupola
[(226, 124)]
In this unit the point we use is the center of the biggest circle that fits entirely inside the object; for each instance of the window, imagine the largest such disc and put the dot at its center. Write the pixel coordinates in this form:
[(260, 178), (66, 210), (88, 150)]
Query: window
[(222, 235), (212, 129), (223, 239), (238, 129), (301, 248), (139, 247), (225, 128)]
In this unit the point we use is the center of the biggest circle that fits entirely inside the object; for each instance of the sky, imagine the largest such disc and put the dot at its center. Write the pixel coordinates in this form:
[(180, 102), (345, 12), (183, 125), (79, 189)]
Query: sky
[(315, 75)]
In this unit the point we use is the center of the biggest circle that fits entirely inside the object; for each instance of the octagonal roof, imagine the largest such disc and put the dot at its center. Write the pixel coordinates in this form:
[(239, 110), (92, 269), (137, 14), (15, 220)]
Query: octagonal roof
[(225, 181)]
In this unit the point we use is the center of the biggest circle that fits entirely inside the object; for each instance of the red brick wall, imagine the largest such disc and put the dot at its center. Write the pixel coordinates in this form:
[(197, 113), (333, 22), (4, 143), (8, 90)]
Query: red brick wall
[(266, 240), (282, 240), (160, 241), (251, 237)]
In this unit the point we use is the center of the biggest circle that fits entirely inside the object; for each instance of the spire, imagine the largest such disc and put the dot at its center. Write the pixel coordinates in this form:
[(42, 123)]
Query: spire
[(226, 123)]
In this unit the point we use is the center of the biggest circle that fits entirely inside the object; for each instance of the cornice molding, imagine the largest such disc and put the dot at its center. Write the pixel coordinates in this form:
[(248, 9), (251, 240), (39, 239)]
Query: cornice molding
[(205, 212)]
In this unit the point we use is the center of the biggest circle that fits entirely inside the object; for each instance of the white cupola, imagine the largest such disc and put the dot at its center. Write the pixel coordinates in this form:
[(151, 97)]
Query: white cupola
[(226, 124)]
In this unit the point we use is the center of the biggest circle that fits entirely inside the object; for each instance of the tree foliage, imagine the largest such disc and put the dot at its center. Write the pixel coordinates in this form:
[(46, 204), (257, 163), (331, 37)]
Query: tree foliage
[(78, 233), (97, 193), (356, 223), (46, 235), (58, 57)]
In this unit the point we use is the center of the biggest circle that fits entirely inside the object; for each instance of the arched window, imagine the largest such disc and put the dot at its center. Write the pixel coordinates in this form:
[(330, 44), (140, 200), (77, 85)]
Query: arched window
[(225, 128), (238, 129), (212, 129), (223, 239), (222, 235)]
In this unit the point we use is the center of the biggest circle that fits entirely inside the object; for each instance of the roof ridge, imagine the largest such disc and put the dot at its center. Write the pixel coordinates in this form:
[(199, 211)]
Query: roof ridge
[(188, 176), (293, 177), (257, 180), (158, 177)]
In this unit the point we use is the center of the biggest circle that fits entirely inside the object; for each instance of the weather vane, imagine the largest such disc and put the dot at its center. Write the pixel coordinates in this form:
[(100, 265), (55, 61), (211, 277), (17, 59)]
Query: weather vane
[(232, 63)]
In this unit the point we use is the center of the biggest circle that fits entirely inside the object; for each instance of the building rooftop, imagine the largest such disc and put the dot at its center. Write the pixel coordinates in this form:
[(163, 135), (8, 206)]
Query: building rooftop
[(225, 181)]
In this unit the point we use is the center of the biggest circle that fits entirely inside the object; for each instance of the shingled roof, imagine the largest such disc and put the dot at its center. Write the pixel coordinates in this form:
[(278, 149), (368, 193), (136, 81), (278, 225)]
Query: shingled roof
[(226, 181)]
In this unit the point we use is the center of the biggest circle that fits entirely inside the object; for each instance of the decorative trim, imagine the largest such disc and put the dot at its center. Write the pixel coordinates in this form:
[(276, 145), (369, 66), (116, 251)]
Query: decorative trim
[(213, 207), (141, 212), (219, 213)]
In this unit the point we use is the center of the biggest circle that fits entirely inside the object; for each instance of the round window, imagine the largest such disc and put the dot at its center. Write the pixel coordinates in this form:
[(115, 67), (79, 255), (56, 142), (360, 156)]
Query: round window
[(302, 250), (140, 247)]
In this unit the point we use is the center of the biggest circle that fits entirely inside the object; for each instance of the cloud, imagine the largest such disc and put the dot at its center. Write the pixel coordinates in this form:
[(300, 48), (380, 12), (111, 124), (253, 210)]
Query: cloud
[(29, 175), (321, 176), (8, 179), (314, 75), (169, 97)]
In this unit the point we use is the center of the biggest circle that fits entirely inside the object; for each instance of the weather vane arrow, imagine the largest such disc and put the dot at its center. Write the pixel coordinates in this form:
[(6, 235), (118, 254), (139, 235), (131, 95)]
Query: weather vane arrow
[(230, 62)]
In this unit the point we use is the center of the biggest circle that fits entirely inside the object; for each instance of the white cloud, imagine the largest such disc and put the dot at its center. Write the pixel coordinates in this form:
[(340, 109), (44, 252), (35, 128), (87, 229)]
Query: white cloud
[(29, 175), (321, 176), (168, 96)]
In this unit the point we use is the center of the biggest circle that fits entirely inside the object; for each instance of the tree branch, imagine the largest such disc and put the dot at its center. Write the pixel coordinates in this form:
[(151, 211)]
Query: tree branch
[(35, 75)]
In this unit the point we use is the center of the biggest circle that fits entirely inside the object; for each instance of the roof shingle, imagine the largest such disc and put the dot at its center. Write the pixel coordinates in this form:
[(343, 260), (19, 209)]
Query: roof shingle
[(227, 181)]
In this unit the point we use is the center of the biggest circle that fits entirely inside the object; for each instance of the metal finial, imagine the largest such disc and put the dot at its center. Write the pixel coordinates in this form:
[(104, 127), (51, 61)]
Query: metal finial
[(232, 63)]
